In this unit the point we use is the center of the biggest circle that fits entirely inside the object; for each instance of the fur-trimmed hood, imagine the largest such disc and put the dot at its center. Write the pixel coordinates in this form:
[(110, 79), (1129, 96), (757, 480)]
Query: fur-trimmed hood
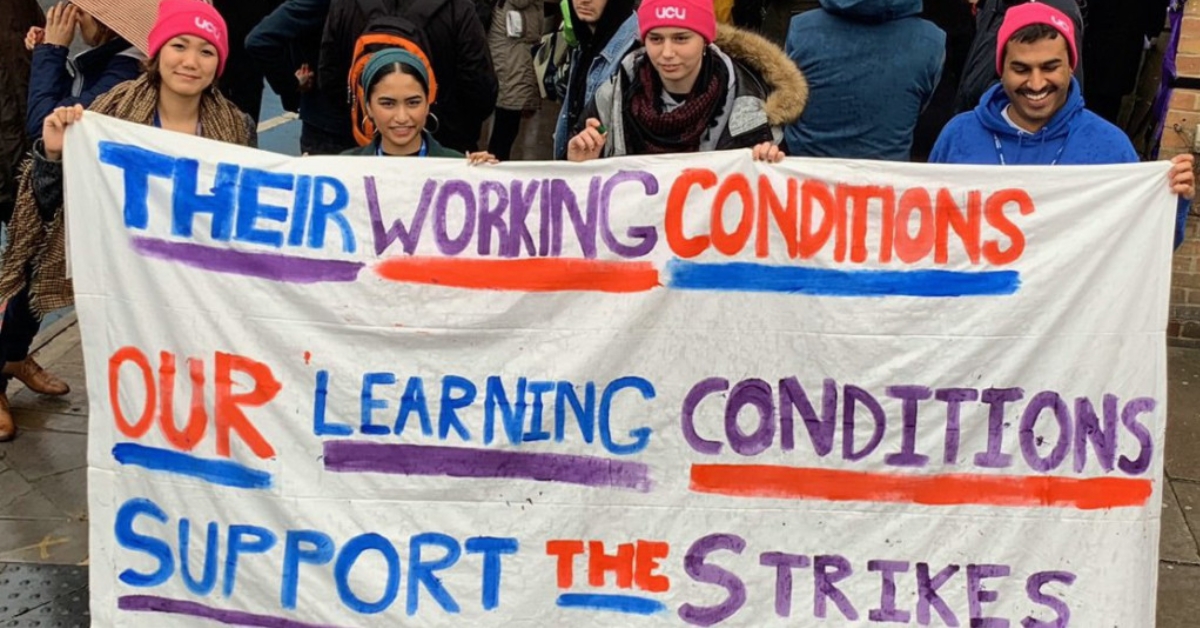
[(786, 85)]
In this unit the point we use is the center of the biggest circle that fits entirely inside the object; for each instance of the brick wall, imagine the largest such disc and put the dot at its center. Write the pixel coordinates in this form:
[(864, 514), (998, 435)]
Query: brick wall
[(1184, 326)]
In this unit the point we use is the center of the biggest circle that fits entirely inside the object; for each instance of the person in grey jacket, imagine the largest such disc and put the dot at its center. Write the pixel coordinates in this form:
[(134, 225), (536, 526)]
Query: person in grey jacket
[(693, 87)]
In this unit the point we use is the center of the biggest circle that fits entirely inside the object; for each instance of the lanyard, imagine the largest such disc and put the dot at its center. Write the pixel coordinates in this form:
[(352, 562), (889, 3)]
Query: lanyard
[(421, 153), (1000, 150), (158, 123)]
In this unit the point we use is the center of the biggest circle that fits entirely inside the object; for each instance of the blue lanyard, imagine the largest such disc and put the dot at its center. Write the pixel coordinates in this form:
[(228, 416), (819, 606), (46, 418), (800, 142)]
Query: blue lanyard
[(424, 152), (1000, 150), (158, 123)]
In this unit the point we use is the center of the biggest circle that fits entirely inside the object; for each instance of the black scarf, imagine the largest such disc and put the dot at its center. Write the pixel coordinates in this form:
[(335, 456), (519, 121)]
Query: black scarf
[(653, 131)]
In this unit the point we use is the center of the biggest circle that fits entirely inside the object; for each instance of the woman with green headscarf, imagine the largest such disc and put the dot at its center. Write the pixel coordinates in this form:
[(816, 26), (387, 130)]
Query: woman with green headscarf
[(398, 87)]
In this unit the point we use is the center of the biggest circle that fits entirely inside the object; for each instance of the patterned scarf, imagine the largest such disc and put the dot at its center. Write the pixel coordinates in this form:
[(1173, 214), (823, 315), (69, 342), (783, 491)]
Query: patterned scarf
[(679, 130), (37, 251)]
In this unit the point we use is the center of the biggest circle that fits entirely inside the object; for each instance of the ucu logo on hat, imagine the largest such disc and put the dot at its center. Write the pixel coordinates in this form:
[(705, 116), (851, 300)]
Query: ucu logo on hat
[(207, 27), (670, 13), (1060, 23)]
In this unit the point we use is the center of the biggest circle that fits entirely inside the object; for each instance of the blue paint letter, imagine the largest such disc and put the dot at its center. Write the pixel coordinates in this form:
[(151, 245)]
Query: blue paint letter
[(451, 403), (641, 435), (187, 201), (132, 540), (345, 561), (138, 165), (491, 548), (370, 403), (318, 552), (329, 210), (211, 547), (320, 427), (263, 541), (421, 572), (250, 208)]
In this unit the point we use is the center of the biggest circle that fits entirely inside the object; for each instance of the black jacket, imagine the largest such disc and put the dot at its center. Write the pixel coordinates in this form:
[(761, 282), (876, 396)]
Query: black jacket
[(94, 72), (458, 52), (979, 73), (15, 21), (285, 40)]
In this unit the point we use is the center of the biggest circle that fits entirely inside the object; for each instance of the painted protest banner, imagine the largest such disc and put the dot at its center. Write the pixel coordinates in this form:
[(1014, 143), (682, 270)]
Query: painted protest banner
[(686, 390)]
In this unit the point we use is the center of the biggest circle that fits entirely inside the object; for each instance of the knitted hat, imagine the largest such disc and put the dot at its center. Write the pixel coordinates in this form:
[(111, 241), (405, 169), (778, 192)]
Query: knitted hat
[(129, 19), (694, 15), (1031, 13), (388, 56), (190, 17)]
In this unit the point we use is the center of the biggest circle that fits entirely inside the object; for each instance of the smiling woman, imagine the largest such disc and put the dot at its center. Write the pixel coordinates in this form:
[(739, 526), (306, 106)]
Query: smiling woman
[(398, 88), (188, 46)]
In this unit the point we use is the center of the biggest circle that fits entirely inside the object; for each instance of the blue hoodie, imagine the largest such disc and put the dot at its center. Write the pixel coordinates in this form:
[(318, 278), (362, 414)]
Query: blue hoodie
[(872, 66), (1074, 136)]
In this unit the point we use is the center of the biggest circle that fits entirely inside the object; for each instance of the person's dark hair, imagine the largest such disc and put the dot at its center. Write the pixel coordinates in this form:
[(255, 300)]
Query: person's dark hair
[(402, 68), (150, 66), (1032, 34)]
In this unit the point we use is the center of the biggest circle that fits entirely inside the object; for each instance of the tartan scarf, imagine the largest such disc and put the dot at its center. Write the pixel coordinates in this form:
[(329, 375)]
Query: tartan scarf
[(37, 253)]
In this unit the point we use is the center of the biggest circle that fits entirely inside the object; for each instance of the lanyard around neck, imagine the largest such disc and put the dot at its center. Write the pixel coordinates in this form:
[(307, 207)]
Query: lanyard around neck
[(158, 123), (424, 152), (1000, 150)]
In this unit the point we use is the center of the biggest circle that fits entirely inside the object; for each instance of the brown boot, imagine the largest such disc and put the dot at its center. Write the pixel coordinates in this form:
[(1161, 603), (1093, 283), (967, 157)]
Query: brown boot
[(36, 378), (8, 429)]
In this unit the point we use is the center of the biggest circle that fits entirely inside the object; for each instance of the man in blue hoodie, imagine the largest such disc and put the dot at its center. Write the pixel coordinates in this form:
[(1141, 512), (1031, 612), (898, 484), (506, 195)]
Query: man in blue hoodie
[(872, 66), (1036, 114)]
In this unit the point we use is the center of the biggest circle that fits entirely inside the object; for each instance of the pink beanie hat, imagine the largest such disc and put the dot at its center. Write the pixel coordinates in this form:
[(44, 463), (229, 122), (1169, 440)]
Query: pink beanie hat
[(1023, 15), (694, 15), (190, 17)]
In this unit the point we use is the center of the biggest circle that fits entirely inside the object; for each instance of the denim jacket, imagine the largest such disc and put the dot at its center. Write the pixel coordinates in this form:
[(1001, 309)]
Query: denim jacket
[(602, 68)]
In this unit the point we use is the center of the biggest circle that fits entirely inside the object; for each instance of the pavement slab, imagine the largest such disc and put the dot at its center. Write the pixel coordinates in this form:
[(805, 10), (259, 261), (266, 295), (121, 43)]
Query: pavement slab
[(1178, 543), (52, 422), (20, 500), (36, 455), (1178, 596), (68, 492), (1183, 414)]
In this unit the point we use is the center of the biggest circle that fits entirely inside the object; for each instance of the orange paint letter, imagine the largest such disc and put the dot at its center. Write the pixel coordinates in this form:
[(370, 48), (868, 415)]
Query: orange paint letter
[(646, 564), (682, 245), (228, 413), (565, 551), (784, 215), (600, 563), (994, 213), (197, 423), (131, 354)]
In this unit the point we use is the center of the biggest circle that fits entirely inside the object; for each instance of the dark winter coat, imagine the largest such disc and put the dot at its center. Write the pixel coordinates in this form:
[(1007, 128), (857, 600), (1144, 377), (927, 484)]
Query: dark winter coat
[(242, 81), (59, 80), (767, 92), (458, 52), (979, 73), (285, 40), (15, 21), (872, 66), (432, 148)]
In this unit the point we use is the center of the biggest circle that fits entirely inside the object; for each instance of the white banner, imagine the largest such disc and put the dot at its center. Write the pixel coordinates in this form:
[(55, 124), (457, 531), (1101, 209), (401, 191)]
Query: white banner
[(344, 391)]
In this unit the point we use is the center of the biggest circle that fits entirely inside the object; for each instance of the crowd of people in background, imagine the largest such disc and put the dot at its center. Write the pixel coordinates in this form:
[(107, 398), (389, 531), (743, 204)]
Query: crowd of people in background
[(991, 82)]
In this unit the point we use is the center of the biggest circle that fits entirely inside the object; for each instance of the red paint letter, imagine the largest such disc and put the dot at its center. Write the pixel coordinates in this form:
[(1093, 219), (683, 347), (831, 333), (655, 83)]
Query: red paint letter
[(228, 414), (682, 245), (566, 551), (131, 354), (646, 563), (600, 563), (994, 212)]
